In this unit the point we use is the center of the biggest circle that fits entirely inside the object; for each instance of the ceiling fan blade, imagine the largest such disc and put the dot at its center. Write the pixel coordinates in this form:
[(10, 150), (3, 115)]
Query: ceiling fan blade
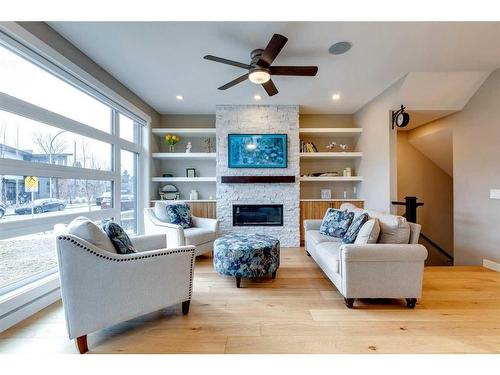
[(294, 70), (226, 61), (270, 88), (272, 50), (234, 82)]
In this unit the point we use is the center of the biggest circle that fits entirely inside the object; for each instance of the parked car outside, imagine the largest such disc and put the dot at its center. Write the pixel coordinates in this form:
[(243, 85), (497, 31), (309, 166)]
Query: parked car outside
[(99, 199), (3, 208), (127, 202), (41, 205)]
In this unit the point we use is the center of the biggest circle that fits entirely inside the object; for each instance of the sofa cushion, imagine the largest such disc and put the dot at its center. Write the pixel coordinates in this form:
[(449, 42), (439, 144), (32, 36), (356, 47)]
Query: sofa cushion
[(87, 230), (368, 233), (393, 229), (198, 236), (336, 222), (352, 208), (314, 237), (179, 214), (328, 255), (352, 232), (119, 238)]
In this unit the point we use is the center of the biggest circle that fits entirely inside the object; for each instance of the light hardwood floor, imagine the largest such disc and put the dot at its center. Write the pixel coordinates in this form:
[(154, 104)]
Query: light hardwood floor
[(298, 312)]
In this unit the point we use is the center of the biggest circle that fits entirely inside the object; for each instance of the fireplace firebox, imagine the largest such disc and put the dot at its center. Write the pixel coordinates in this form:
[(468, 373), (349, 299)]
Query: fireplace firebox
[(256, 215)]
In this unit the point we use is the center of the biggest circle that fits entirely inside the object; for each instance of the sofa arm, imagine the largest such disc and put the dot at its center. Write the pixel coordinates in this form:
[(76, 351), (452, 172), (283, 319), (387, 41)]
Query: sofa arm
[(149, 242), (383, 253), (312, 224), (206, 223)]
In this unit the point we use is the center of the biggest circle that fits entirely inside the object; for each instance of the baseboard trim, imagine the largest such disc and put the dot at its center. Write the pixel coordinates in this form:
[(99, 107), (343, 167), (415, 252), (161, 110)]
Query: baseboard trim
[(28, 300), (491, 265)]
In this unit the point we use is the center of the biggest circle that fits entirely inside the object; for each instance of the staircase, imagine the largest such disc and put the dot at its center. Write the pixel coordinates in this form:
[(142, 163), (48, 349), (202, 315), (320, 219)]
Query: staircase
[(437, 255)]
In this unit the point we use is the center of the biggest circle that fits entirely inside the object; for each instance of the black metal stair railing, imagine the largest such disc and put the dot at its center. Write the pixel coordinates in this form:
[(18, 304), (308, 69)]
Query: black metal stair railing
[(410, 214)]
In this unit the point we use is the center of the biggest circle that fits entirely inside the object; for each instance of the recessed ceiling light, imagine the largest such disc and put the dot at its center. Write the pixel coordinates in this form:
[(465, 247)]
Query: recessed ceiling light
[(340, 48), (179, 97), (335, 97), (257, 97)]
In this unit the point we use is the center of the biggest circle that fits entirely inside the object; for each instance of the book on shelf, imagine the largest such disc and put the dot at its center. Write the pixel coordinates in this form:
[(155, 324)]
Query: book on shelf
[(307, 147)]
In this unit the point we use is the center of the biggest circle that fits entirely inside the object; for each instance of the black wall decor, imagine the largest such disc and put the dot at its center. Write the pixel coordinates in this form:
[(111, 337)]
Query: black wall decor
[(400, 118)]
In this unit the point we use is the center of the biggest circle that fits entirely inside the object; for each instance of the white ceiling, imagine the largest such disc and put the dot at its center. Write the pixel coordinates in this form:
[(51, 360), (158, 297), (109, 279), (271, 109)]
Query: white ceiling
[(159, 60)]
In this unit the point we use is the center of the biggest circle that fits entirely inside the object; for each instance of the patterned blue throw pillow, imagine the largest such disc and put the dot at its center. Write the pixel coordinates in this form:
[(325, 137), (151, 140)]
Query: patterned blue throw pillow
[(119, 238), (179, 214), (336, 223), (352, 232)]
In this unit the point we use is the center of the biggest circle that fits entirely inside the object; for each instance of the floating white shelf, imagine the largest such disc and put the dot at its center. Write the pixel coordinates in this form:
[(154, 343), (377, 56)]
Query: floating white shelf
[(340, 132), (331, 155), (331, 200), (184, 179), (186, 132), (184, 155), (331, 179)]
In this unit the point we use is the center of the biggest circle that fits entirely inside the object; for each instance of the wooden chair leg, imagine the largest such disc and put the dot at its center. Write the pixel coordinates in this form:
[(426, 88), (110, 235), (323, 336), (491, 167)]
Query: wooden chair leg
[(81, 344), (238, 282), (185, 307), (274, 274)]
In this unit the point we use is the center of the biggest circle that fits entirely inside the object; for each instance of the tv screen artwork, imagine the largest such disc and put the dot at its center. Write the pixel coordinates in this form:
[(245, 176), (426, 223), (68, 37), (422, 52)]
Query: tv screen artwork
[(257, 150)]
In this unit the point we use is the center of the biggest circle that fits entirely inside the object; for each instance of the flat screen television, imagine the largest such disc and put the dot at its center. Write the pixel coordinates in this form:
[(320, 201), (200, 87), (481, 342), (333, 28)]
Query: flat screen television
[(257, 150)]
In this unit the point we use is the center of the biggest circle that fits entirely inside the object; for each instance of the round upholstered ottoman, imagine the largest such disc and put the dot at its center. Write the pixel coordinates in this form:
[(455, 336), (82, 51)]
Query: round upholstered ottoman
[(246, 255)]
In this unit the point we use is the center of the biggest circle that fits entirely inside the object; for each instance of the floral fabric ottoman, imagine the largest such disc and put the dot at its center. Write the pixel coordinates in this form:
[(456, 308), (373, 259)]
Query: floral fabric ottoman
[(246, 255)]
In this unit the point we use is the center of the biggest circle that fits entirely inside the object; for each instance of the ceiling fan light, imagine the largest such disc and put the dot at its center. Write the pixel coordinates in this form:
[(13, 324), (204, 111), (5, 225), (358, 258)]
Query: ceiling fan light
[(259, 76)]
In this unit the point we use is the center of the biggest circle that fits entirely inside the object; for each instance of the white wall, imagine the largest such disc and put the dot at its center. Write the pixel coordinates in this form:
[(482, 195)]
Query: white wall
[(419, 176), (254, 120), (476, 169), (378, 142)]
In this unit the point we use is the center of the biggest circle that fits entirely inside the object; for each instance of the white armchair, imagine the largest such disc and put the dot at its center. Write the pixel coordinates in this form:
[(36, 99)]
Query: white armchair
[(202, 235), (100, 288)]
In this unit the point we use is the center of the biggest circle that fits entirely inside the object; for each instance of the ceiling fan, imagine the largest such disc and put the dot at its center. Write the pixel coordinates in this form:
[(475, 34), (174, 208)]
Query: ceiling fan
[(260, 69)]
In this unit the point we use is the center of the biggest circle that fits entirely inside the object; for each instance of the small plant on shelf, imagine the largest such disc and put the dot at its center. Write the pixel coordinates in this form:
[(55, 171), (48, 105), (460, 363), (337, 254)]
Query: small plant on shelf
[(171, 140)]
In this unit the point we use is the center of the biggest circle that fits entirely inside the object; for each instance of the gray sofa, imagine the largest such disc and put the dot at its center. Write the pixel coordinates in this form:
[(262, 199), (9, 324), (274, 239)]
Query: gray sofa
[(390, 268)]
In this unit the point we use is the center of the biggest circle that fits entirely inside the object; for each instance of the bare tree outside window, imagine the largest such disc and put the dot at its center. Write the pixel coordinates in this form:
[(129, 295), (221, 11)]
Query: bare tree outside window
[(50, 145)]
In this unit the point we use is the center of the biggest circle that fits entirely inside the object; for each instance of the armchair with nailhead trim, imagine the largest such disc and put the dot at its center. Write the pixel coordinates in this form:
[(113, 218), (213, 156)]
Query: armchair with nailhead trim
[(100, 288)]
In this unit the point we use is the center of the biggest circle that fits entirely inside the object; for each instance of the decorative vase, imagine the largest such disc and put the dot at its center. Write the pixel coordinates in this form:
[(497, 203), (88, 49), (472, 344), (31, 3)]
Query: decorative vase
[(194, 195), (171, 148)]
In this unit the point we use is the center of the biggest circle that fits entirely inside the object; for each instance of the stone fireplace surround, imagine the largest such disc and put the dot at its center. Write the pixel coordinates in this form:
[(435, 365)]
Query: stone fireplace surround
[(259, 119)]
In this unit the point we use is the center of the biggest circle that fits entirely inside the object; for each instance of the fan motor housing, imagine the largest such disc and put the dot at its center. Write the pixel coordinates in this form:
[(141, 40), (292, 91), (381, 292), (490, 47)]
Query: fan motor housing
[(255, 55)]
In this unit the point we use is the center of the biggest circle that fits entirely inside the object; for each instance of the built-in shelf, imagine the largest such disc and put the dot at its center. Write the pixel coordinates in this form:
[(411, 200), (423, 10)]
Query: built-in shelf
[(186, 200), (332, 200), (184, 155), (340, 132), (186, 132), (183, 179), (330, 179), (331, 155)]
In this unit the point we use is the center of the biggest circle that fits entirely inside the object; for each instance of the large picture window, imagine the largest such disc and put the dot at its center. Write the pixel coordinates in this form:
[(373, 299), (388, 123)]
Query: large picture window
[(83, 151)]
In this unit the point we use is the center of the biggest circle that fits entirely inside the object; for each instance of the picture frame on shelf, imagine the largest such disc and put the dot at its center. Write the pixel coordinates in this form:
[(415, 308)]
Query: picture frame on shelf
[(190, 172), (326, 194)]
